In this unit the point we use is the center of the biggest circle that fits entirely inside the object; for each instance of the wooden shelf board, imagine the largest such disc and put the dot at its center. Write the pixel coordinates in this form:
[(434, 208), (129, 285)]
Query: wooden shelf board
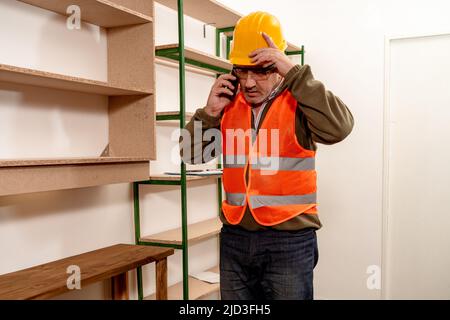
[(18, 75), (197, 289), (292, 47), (198, 56), (102, 13), (67, 161), (19, 177), (189, 178), (208, 11), (197, 232)]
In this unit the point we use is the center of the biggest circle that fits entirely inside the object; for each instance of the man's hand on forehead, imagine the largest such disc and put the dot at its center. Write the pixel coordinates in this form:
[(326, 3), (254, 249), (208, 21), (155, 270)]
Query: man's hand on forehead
[(271, 55)]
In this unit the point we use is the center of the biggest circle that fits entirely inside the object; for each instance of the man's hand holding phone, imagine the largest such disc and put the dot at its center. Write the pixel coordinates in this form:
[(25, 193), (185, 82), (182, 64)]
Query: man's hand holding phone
[(222, 93)]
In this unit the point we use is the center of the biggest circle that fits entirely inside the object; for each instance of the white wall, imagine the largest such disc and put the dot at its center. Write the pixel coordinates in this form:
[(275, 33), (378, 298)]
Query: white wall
[(344, 43)]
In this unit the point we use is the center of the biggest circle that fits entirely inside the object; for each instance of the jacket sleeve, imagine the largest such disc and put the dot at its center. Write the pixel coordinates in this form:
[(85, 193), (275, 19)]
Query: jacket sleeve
[(193, 148), (328, 118)]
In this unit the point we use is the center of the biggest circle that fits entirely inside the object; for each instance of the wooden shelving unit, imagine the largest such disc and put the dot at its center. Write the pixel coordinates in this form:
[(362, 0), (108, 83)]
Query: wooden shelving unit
[(198, 232), (129, 89), (103, 13), (197, 289)]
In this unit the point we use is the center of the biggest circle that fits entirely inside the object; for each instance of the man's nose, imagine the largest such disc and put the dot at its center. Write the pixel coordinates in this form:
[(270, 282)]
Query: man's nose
[(250, 82)]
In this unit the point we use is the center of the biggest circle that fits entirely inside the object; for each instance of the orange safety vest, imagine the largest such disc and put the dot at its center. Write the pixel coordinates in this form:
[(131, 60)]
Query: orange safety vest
[(270, 172)]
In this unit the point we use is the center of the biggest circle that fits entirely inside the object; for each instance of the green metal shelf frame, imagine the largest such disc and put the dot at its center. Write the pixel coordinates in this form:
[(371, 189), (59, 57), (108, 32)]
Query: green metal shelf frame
[(168, 117), (173, 54), (178, 54)]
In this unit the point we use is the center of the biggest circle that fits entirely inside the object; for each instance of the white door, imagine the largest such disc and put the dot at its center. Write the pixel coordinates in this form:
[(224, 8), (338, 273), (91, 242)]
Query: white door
[(418, 215)]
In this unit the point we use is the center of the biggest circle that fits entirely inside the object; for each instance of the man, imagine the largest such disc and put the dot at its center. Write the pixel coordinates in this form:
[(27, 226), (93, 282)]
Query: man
[(268, 245)]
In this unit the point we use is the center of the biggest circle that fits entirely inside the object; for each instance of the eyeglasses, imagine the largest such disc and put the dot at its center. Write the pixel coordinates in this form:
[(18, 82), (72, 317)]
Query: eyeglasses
[(257, 73)]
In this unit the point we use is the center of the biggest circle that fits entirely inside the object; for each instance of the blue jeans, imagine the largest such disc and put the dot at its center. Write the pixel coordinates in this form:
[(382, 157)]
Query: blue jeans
[(267, 264)]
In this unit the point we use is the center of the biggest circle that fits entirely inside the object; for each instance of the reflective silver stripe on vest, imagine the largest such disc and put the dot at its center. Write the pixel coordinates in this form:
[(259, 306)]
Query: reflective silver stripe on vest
[(232, 161), (261, 201), (284, 164), (271, 163), (235, 199)]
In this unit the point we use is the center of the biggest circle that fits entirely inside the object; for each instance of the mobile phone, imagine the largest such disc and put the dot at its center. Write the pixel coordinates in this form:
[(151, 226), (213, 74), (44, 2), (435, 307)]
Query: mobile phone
[(235, 84)]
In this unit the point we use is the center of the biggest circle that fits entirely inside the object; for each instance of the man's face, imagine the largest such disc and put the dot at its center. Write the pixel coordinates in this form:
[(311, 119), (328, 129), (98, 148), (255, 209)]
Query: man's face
[(257, 82)]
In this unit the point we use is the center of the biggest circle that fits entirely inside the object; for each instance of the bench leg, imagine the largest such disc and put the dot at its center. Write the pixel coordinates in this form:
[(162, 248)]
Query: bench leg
[(119, 287), (161, 279)]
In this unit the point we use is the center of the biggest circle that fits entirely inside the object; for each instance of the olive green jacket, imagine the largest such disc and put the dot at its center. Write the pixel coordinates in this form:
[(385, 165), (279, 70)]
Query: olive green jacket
[(321, 117)]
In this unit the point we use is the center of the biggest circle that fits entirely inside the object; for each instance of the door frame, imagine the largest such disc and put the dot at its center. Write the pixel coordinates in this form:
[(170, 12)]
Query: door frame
[(386, 138)]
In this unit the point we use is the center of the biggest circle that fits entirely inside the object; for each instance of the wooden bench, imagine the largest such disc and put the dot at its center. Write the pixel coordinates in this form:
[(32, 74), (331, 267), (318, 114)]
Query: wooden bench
[(51, 279)]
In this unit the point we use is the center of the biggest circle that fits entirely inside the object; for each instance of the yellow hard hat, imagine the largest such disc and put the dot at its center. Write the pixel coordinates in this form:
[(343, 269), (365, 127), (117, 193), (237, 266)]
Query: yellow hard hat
[(248, 36)]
